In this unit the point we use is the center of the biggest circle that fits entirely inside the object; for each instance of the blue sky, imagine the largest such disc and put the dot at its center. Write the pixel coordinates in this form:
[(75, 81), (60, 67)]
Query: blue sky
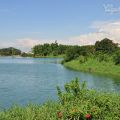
[(24, 23)]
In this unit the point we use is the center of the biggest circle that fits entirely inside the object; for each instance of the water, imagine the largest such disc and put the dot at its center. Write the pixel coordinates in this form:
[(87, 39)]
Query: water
[(34, 80)]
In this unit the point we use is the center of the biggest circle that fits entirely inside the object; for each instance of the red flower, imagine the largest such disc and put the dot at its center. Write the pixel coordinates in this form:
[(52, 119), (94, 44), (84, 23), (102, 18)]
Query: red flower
[(87, 116), (59, 114)]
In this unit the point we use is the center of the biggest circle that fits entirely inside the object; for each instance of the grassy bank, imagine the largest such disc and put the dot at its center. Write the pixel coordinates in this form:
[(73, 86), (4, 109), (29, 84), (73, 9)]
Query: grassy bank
[(75, 103), (94, 66)]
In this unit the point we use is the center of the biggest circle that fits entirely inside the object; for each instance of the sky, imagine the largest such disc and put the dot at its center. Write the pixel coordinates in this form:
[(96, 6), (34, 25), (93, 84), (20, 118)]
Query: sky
[(25, 23)]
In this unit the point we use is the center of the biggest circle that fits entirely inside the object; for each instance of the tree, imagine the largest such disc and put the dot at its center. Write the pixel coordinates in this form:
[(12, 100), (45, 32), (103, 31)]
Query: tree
[(54, 46), (61, 49), (72, 53), (46, 49), (87, 50), (37, 50), (106, 45)]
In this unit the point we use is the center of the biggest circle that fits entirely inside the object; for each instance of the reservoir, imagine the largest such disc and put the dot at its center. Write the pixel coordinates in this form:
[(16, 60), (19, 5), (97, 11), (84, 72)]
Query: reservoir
[(34, 80)]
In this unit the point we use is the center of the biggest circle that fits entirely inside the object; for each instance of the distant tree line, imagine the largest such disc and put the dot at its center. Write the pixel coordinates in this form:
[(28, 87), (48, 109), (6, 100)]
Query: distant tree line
[(56, 49), (101, 50), (9, 51), (46, 49)]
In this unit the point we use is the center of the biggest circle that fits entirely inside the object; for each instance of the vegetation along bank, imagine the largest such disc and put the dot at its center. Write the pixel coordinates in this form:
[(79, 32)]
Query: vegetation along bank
[(102, 58)]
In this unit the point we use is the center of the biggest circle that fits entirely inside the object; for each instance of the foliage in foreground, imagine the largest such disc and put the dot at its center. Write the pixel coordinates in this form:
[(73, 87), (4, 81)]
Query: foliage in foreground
[(79, 103), (75, 103)]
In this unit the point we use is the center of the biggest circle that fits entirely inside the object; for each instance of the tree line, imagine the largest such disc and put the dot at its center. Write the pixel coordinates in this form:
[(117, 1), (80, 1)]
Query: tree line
[(10, 51), (101, 50), (56, 49), (47, 49)]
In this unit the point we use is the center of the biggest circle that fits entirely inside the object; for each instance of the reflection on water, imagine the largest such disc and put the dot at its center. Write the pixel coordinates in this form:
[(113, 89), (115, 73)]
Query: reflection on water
[(24, 80), (27, 60)]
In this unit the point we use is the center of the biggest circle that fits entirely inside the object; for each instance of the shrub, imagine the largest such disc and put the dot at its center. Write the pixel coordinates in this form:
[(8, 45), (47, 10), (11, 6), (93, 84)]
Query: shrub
[(82, 59), (72, 53), (102, 57), (79, 103), (116, 58)]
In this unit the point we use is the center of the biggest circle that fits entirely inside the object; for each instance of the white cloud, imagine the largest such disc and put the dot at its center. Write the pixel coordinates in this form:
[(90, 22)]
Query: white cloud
[(6, 44), (111, 9), (88, 39), (103, 30), (27, 42)]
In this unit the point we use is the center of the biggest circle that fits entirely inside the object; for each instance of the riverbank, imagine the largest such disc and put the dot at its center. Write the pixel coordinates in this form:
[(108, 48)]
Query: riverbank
[(93, 66), (50, 56), (76, 102), (31, 56)]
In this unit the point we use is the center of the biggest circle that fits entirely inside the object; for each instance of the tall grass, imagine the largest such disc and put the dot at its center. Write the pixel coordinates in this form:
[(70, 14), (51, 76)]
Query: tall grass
[(94, 66)]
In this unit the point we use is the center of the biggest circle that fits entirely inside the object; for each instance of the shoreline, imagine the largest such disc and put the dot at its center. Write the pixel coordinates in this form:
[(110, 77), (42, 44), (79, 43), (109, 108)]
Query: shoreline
[(75, 65), (17, 56)]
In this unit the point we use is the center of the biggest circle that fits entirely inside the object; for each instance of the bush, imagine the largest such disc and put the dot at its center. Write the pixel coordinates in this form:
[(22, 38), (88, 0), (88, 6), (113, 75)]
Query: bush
[(71, 53), (102, 57), (79, 103), (116, 58), (82, 59)]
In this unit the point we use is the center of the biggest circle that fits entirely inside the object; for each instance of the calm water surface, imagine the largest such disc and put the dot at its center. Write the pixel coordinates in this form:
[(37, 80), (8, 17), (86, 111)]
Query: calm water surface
[(25, 80)]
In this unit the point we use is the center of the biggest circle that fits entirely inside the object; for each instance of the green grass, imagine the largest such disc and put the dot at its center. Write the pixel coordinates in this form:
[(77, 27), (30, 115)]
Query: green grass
[(75, 103), (92, 65), (31, 112)]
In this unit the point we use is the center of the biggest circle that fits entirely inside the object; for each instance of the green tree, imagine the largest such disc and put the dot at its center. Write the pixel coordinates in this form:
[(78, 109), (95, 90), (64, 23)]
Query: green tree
[(46, 49), (61, 49), (37, 50), (87, 50), (106, 45), (72, 53)]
